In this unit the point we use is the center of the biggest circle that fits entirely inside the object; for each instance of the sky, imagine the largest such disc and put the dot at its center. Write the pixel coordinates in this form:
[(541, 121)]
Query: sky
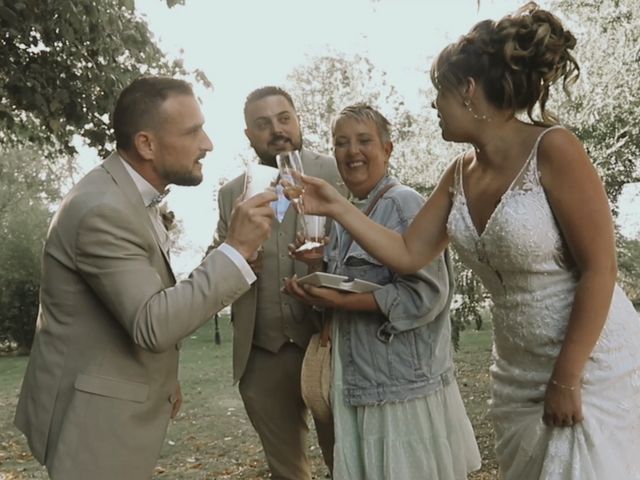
[(245, 44)]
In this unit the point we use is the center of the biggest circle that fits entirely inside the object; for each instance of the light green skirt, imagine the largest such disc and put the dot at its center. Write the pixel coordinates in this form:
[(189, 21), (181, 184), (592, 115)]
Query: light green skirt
[(428, 438)]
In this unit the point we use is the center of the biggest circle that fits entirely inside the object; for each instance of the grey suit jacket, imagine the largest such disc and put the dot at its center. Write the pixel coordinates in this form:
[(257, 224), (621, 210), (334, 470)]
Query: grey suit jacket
[(96, 396), (244, 308)]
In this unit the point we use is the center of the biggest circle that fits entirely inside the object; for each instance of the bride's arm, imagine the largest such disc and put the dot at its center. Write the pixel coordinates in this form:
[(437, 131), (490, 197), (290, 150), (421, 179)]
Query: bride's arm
[(580, 205), (425, 238)]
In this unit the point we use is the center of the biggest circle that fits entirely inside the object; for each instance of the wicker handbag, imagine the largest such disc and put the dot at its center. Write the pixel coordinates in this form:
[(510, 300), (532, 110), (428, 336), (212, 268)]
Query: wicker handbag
[(315, 377)]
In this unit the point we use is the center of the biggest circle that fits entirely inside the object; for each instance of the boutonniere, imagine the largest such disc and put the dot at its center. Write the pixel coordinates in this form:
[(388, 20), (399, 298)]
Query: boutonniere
[(168, 217)]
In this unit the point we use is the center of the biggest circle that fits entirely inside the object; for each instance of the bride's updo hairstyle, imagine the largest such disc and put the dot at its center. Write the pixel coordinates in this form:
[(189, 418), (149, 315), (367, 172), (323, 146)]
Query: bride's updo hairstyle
[(515, 60)]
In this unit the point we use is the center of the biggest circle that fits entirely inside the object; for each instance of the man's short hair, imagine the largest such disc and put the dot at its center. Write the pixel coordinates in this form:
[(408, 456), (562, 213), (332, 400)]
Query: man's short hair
[(138, 106), (263, 92)]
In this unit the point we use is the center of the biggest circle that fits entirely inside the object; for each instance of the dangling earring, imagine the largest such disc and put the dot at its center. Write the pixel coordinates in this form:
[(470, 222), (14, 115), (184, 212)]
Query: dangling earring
[(467, 104)]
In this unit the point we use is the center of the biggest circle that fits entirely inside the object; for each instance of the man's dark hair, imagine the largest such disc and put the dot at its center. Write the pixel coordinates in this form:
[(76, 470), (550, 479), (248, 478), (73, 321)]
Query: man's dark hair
[(263, 92), (138, 105)]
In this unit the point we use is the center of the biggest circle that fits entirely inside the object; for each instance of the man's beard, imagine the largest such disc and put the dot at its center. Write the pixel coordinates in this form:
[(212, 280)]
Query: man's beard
[(185, 178), (265, 156)]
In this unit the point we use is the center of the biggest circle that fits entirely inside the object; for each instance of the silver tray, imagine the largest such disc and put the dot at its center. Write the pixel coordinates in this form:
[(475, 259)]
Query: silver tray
[(338, 282)]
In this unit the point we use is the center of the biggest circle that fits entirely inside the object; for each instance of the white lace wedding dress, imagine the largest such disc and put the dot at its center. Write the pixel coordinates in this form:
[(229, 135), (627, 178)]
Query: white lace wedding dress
[(520, 258)]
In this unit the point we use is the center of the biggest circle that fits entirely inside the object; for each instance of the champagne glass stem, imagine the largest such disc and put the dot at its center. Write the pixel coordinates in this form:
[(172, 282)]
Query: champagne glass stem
[(300, 208)]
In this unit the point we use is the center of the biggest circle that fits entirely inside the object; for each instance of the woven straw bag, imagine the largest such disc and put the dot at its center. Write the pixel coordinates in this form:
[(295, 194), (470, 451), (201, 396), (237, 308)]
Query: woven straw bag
[(315, 377)]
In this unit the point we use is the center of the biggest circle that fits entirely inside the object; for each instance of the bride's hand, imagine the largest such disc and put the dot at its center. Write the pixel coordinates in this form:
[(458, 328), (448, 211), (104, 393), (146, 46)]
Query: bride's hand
[(319, 197), (562, 405)]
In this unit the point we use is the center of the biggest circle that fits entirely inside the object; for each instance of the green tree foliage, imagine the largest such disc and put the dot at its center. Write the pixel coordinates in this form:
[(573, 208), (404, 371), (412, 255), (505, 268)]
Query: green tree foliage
[(62, 64), (326, 84), (604, 109), (26, 190), (20, 278), (470, 303), (629, 268), (421, 155)]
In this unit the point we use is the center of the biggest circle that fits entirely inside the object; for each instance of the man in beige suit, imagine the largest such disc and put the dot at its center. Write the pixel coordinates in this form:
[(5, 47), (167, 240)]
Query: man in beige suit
[(270, 329), (101, 383)]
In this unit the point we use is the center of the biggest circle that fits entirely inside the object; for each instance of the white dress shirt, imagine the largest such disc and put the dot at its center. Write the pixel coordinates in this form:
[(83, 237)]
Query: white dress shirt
[(149, 193)]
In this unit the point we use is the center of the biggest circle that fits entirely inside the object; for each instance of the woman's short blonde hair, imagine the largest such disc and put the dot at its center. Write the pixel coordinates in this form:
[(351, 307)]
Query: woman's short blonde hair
[(362, 112)]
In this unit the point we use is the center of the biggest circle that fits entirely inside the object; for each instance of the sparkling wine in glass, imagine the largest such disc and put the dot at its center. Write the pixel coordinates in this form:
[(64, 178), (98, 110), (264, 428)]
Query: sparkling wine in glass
[(293, 192), (288, 164)]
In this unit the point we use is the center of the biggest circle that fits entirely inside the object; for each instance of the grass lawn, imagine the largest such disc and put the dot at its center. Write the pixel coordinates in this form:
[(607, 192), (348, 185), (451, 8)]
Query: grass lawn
[(212, 437)]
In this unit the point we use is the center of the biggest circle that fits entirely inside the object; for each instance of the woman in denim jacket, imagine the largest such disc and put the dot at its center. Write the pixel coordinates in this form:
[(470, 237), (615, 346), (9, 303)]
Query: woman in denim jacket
[(397, 409)]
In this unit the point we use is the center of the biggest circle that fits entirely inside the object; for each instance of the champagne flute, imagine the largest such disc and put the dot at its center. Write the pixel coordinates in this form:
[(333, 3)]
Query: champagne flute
[(288, 164), (312, 226)]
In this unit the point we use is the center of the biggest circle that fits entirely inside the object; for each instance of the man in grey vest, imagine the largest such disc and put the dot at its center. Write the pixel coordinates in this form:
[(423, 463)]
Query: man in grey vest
[(270, 329)]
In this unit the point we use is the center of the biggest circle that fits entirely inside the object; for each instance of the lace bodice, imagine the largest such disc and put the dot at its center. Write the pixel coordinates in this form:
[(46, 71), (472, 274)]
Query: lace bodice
[(520, 249)]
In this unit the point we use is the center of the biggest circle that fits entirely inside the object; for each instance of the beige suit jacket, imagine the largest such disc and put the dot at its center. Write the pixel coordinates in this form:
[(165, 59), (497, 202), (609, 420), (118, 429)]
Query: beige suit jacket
[(96, 396), (243, 310)]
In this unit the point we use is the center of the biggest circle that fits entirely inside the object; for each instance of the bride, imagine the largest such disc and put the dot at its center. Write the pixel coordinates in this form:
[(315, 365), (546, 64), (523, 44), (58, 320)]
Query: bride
[(525, 209)]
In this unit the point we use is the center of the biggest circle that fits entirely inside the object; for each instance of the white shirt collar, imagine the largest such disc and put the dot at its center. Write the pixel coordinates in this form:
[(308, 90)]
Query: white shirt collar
[(147, 191)]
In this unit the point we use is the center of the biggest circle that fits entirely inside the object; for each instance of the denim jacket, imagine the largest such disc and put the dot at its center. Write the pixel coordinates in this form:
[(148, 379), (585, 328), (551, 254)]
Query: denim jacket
[(403, 351)]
